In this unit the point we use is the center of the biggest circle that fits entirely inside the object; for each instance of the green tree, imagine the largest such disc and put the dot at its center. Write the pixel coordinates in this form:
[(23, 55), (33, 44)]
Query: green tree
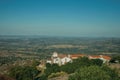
[(96, 62), (48, 65), (84, 61), (42, 77), (35, 63), (69, 67), (115, 58), (76, 64), (24, 73), (111, 72), (90, 73), (51, 68)]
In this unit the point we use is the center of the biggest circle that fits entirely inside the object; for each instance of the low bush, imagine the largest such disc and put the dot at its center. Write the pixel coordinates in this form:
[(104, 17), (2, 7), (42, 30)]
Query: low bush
[(57, 74)]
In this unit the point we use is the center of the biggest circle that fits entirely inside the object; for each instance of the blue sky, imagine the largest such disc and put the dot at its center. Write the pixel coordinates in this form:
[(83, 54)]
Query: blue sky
[(86, 18)]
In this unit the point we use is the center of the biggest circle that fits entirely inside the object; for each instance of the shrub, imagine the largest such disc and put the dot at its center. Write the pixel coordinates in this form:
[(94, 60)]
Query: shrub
[(52, 69), (56, 74), (23, 72), (42, 77), (111, 72), (96, 62), (90, 73)]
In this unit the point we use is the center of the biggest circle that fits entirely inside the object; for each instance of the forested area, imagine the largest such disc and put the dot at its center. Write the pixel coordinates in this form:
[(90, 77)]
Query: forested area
[(79, 69)]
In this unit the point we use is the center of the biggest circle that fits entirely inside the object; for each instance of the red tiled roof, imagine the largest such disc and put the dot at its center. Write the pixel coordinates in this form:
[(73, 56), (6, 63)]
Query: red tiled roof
[(99, 56), (62, 55), (94, 56), (106, 57), (74, 56)]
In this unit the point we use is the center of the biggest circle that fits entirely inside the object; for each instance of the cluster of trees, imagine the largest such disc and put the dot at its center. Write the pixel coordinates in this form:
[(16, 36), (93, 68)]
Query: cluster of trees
[(115, 59), (70, 68), (10, 59), (25, 72), (83, 69), (80, 62), (13, 59), (79, 69), (94, 73)]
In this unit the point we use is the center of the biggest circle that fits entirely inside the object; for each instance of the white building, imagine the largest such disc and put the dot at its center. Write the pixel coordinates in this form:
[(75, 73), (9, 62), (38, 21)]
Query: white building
[(104, 58), (60, 59)]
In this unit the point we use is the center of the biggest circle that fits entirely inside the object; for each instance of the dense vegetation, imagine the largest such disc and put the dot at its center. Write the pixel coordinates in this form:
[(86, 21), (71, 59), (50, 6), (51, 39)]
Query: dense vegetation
[(79, 69), (90, 73), (82, 66), (25, 72), (115, 59), (94, 73), (4, 60)]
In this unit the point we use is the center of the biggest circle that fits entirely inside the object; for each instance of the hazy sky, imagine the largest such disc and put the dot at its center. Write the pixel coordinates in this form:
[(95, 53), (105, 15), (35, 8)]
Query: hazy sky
[(99, 18)]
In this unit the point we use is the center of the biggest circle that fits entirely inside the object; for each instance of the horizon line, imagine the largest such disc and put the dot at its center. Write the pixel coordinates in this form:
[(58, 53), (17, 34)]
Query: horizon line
[(18, 35)]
